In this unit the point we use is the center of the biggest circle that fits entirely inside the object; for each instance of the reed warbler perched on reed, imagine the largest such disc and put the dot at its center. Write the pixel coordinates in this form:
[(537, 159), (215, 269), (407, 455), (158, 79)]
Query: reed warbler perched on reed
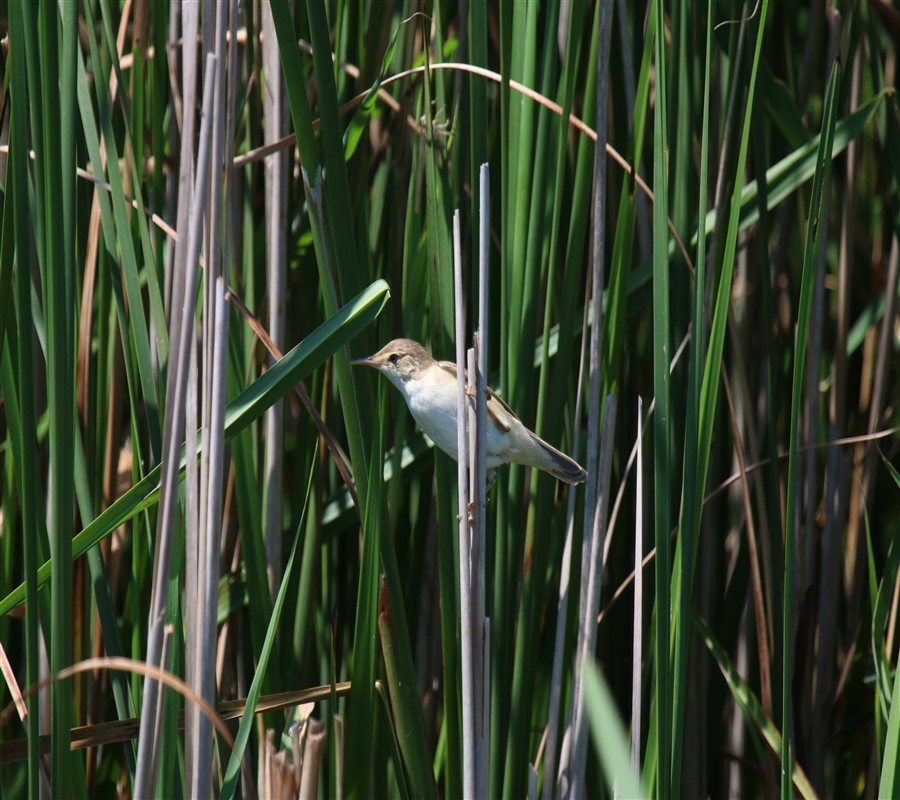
[(430, 390)]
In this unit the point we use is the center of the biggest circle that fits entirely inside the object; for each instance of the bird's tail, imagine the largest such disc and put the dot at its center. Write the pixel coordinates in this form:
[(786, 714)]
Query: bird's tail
[(559, 465)]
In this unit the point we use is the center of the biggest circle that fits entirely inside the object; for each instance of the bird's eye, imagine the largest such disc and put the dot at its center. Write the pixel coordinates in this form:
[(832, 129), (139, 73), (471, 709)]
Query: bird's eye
[(394, 358)]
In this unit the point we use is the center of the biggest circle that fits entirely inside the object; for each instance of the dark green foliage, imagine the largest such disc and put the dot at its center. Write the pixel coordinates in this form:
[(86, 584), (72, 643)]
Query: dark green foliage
[(770, 251)]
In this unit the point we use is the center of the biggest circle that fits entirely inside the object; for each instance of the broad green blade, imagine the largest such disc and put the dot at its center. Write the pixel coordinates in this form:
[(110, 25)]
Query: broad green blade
[(270, 387)]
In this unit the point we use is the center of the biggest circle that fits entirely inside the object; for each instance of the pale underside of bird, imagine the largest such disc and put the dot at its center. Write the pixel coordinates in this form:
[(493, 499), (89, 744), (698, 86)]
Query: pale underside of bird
[(430, 390)]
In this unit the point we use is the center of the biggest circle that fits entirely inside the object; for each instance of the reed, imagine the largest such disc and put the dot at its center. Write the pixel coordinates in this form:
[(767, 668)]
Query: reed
[(209, 209)]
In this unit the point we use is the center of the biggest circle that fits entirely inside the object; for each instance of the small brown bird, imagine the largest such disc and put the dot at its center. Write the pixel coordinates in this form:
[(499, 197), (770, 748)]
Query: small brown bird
[(430, 390)]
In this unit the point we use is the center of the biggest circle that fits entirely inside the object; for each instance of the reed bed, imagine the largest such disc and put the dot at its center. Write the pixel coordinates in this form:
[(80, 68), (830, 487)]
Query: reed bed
[(230, 565)]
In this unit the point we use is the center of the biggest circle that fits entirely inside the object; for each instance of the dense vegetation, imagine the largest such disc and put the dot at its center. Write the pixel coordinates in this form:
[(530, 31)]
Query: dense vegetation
[(692, 204)]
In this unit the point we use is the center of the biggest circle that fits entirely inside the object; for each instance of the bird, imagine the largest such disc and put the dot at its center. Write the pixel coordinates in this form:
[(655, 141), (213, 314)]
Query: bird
[(429, 388)]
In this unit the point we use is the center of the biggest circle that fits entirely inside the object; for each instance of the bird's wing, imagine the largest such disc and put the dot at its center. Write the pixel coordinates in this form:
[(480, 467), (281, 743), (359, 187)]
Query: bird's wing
[(500, 412), (449, 367), (497, 408)]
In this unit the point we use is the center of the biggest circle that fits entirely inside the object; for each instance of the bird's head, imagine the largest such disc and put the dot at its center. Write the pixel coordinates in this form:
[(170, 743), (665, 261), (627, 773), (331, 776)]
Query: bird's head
[(401, 361)]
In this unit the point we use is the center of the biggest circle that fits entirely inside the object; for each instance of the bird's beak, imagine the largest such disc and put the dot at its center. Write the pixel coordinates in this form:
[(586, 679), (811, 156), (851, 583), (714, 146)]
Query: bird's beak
[(368, 361)]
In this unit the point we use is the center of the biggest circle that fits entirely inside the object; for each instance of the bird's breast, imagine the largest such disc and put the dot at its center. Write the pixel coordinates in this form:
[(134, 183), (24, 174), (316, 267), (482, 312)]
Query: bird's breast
[(433, 406)]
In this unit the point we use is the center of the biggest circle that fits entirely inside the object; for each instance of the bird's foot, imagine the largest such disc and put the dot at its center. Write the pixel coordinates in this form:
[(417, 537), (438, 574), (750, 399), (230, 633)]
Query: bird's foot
[(491, 480)]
